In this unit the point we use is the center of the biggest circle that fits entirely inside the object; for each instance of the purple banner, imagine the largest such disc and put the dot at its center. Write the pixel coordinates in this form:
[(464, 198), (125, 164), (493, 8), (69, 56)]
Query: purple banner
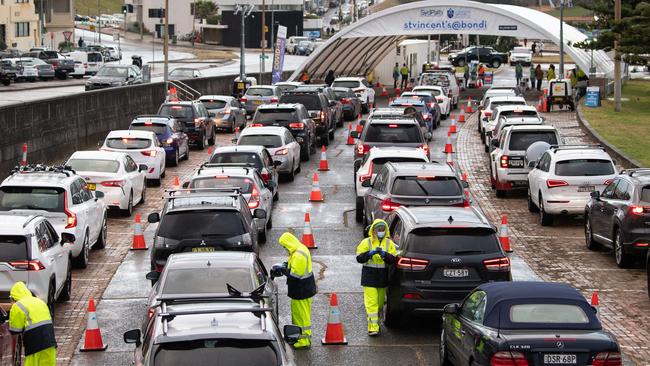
[(278, 61)]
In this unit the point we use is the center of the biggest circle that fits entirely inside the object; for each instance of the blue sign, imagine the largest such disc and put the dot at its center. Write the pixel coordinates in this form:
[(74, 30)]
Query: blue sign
[(313, 34), (592, 98)]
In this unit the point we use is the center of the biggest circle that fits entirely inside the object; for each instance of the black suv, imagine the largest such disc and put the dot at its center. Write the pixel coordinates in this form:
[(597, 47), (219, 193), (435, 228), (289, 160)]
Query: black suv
[(197, 122), (319, 110), (618, 217), (335, 105), (295, 118), (62, 65), (443, 255), (486, 55), (390, 132), (203, 220)]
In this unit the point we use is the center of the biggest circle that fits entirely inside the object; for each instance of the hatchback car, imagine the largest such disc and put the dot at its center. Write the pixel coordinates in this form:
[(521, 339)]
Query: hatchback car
[(447, 80), (294, 117), (280, 144), (255, 156), (110, 76), (350, 102), (258, 95), (143, 147), (170, 135), (398, 113), (228, 113), (491, 103), (438, 92), (361, 88), (390, 132), (197, 122), (183, 73)]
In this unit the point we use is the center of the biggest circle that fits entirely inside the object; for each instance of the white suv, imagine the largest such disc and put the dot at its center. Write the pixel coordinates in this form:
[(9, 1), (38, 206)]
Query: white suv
[(439, 93), (485, 113), (508, 169), (63, 197), (446, 79), (360, 87), (143, 147), (31, 251), (562, 180), (523, 111)]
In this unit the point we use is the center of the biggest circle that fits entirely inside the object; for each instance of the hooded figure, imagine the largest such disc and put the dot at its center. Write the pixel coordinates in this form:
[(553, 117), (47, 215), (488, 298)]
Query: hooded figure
[(329, 79), (375, 252), (30, 316), (301, 285)]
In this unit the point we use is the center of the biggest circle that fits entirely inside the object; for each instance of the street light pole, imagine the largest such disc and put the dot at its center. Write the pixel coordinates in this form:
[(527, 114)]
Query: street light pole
[(166, 43), (99, 23), (617, 61), (272, 25), (263, 40), (561, 39)]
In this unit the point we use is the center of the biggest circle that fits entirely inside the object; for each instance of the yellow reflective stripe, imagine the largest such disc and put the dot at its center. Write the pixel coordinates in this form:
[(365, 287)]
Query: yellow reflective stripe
[(373, 321), (306, 328), (373, 315), (15, 330)]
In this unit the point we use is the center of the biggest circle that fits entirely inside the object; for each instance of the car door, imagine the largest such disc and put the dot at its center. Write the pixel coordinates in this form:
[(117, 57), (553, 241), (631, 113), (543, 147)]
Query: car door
[(597, 213), (459, 326), (621, 197), (471, 328), (94, 212), (60, 252), (266, 195), (50, 256), (80, 208), (373, 198), (181, 138), (270, 287), (135, 176), (268, 162), (535, 175)]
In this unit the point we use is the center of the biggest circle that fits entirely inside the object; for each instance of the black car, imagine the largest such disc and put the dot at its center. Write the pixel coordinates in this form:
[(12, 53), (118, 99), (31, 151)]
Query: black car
[(295, 118), (203, 220), (319, 110), (486, 55), (350, 102), (443, 255), (618, 217), (197, 122), (335, 106), (525, 323), (8, 72), (110, 76), (63, 66)]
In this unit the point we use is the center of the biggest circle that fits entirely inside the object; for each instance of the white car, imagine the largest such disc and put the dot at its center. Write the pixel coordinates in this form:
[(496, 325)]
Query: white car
[(79, 70), (114, 53), (439, 93), (115, 174), (292, 42), (280, 143), (372, 163), (508, 168), (505, 111), (562, 180), (24, 69), (523, 55), (63, 197), (446, 79), (486, 110), (361, 87), (143, 147), (33, 252)]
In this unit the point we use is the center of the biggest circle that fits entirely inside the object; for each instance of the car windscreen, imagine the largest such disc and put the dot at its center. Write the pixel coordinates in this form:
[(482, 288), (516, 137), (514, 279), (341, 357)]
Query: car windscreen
[(378, 163), (275, 115), (130, 143), (201, 224), (560, 314), (94, 165), (210, 280), (521, 140), (214, 104), (237, 158), (426, 186), (583, 167), (176, 111), (114, 72), (394, 133), (31, 198), (346, 84), (223, 352), (223, 181), (311, 102), (259, 92), (95, 57), (157, 128), (452, 241), (13, 247), (269, 141)]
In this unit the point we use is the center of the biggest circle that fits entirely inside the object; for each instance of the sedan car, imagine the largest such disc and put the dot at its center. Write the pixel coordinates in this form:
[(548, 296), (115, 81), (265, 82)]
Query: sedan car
[(525, 323), (361, 88), (117, 175), (258, 95), (228, 113), (114, 75), (280, 144), (182, 73), (170, 135), (143, 147), (350, 102)]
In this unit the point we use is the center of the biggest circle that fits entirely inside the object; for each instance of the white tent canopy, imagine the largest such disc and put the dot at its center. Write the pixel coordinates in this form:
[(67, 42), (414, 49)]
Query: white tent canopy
[(362, 45)]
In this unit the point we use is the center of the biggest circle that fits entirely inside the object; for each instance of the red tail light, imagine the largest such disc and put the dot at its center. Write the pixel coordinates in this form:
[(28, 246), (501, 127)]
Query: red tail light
[(151, 153), (274, 100), (362, 149), (113, 183), (151, 312), (506, 358), (608, 182), (71, 221), (283, 151), (497, 264), (637, 210), (265, 175), (346, 101), (487, 114), (297, 125), (607, 359), (503, 162), (322, 115), (256, 125), (412, 264), (552, 183), (431, 105), (27, 265), (426, 115), (425, 148), (254, 201), (368, 176), (243, 99), (388, 205), (197, 122), (411, 296)]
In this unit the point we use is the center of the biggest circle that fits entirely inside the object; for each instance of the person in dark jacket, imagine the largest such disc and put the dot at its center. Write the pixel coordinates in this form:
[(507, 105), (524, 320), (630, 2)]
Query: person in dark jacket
[(329, 79)]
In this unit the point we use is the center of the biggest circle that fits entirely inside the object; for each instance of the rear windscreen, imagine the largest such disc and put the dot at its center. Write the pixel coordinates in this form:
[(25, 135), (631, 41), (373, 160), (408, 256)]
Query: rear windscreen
[(584, 167), (259, 92), (434, 92), (518, 113), (214, 104), (95, 57), (493, 105), (378, 163), (158, 129), (212, 280), (201, 224), (521, 140), (13, 247), (224, 181), (548, 314), (94, 165), (393, 133), (32, 198), (176, 111), (453, 241), (269, 141), (311, 102), (204, 352), (275, 115), (128, 143), (343, 94), (237, 158), (645, 194), (346, 84), (426, 186)]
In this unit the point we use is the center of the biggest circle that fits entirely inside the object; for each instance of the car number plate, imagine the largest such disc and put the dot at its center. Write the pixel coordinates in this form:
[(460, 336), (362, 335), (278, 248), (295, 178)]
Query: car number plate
[(516, 163), (586, 188), (258, 102), (91, 186), (203, 249), (456, 273), (560, 359)]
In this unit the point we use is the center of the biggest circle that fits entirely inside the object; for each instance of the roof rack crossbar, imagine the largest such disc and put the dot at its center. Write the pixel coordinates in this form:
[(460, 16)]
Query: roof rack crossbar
[(41, 168), (170, 314), (576, 147), (152, 116), (631, 172)]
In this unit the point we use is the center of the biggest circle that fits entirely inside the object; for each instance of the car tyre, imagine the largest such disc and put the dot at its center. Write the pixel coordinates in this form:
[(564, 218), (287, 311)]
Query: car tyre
[(292, 175), (202, 142), (186, 156), (276, 197), (589, 235), (496, 63), (212, 137), (304, 152), (331, 135), (262, 236), (129, 207), (444, 356), (82, 259), (623, 260), (51, 297), (545, 219), (174, 161), (269, 223), (358, 216), (103, 234), (325, 139), (66, 292), (393, 318), (143, 195), (531, 205)]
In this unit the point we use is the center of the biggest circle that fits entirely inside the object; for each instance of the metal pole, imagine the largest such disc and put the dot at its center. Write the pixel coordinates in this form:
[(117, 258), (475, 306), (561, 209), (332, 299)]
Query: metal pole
[(242, 66), (193, 22), (263, 41), (272, 25), (99, 23), (617, 61), (166, 43), (141, 21), (561, 39), (42, 22), (428, 48)]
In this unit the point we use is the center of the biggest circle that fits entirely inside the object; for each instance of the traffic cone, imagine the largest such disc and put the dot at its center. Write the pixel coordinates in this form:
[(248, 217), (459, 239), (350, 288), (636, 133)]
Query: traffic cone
[(350, 138), (93, 338), (323, 166), (544, 102), (384, 93), (503, 234), (209, 152), (450, 159), (461, 117), (398, 91), (469, 105), (359, 125), (138, 235), (177, 183), (595, 301), (24, 161), (466, 202), (316, 195), (377, 85), (449, 148), (307, 236), (539, 104), (334, 333), (452, 128)]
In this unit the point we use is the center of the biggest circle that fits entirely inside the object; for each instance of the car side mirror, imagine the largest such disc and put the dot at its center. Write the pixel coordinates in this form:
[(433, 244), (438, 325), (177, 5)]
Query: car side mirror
[(259, 213), (133, 336), (532, 164), (354, 134), (153, 217), (300, 140), (277, 163), (291, 333), (271, 184), (595, 195), (362, 122), (428, 136), (76, 200), (142, 168), (465, 184), (366, 183), (451, 309), (494, 143), (186, 185), (67, 238), (99, 194), (234, 141), (153, 276), (332, 103)]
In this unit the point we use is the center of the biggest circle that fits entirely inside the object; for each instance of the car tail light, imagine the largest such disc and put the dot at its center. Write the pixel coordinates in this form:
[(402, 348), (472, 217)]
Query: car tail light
[(345, 101), (503, 162), (552, 183), (113, 183), (274, 100), (507, 358), (607, 359), (243, 99), (412, 264), (362, 149), (297, 125), (150, 153), (71, 221), (169, 141), (265, 175), (497, 264), (322, 115), (487, 114), (393, 126), (388, 205), (425, 148), (641, 245), (608, 182), (368, 176), (256, 125), (283, 151), (151, 312), (197, 122), (431, 105), (426, 115), (254, 201), (27, 265), (637, 210), (412, 296)]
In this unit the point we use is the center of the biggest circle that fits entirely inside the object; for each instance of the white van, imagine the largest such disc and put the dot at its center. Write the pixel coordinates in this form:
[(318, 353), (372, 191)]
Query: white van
[(92, 60)]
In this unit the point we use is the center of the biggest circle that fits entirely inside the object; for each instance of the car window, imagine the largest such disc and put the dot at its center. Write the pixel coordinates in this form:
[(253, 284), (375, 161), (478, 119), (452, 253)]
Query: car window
[(310, 101), (32, 198), (544, 162), (130, 164), (13, 247), (473, 308), (622, 191), (94, 165), (393, 133), (128, 143), (288, 137), (201, 224), (176, 111), (268, 160), (157, 128), (396, 230), (453, 241), (237, 158), (223, 181), (548, 314), (645, 194), (521, 140), (226, 351), (426, 186), (214, 103), (269, 141), (260, 272), (259, 92), (583, 167), (608, 192), (352, 84), (86, 194), (380, 181), (210, 280)]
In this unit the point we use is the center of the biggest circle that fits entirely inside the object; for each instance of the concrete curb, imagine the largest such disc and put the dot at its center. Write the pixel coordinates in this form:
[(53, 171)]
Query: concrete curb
[(617, 154)]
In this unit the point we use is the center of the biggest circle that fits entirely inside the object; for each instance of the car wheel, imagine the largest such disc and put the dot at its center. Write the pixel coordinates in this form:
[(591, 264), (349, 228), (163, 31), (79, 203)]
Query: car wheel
[(500, 193), (174, 162), (212, 137), (359, 210), (276, 197), (304, 152), (312, 145), (364, 108), (262, 236), (545, 219), (531, 205), (292, 175), (66, 292), (331, 135), (129, 207), (496, 63), (299, 167), (201, 144), (623, 260), (444, 356), (589, 235), (144, 191), (325, 139), (82, 259), (51, 297), (103, 234), (186, 156), (269, 223)]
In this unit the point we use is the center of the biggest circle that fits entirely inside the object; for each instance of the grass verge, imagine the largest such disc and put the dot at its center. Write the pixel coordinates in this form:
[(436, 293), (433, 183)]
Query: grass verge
[(89, 7)]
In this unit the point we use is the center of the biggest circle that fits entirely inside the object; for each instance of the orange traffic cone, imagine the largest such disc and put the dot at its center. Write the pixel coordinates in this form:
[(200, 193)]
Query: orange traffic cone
[(384, 93), (461, 117), (539, 104), (452, 128), (449, 148), (323, 166), (316, 195), (350, 138), (469, 105), (93, 338), (503, 234), (359, 125), (307, 236), (595, 301), (450, 159), (24, 161), (398, 91), (209, 152), (334, 333), (467, 200), (138, 235), (177, 183)]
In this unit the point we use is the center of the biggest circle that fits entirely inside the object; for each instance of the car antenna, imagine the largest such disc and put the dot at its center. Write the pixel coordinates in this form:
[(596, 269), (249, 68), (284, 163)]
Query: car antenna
[(450, 219), (499, 325)]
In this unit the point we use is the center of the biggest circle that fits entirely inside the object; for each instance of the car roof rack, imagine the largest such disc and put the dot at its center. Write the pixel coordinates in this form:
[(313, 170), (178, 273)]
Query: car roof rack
[(202, 192), (576, 147), (153, 116), (635, 171), (206, 166), (41, 168), (28, 219)]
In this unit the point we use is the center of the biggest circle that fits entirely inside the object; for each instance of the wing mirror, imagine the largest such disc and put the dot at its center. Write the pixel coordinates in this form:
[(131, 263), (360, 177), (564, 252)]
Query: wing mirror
[(153, 217), (366, 183), (291, 333), (354, 134), (259, 213), (532, 164), (494, 143), (186, 185), (595, 195), (153, 276), (99, 194), (451, 309), (133, 336), (67, 238), (271, 184), (142, 168)]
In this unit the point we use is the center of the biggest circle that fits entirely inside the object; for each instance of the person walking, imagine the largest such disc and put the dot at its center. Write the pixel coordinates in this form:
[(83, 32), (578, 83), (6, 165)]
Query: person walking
[(541, 49), (395, 75), (404, 72), (539, 76), (375, 252), (525, 42), (329, 79), (466, 74), (531, 75), (519, 73), (550, 74), (301, 285), (31, 317), (533, 47)]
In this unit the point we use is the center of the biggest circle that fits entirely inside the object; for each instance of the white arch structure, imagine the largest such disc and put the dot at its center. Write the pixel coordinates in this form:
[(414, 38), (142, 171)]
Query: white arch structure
[(362, 45)]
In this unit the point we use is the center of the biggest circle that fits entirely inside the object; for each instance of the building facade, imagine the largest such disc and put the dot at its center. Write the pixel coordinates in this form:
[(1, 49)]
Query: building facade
[(19, 24), (58, 17)]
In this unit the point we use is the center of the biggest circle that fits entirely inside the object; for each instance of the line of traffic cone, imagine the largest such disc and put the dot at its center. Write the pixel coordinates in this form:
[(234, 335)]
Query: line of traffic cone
[(23, 162), (452, 128), (93, 337), (467, 200), (504, 239), (323, 166), (316, 195), (350, 138), (449, 148), (138, 235), (469, 105), (307, 235), (461, 116), (334, 333), (539, 104)]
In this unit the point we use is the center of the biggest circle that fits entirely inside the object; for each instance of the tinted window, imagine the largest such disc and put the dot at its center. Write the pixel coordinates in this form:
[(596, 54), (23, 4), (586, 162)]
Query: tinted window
[(13, 247), (223, 352), (176, 111), (311, 102), (94, 165), (158, 129), (453, 241), (179, 225), (426, 186), (31, 198), (113, 72), (522, 140), (517, 113), (378, 163), (343, 94), (548, 314), (245, 184), (493, 105), (586, 167), (645, 194), (237, 158), (261, 140), (128, 143), (214, 104), (209, 280), (346, 84), (259, 92), (434, 92), (395, 133), (275, 115), (95, 57)]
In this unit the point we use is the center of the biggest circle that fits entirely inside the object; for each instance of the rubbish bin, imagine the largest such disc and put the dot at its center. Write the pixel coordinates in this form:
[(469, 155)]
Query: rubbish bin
[(174, 39)]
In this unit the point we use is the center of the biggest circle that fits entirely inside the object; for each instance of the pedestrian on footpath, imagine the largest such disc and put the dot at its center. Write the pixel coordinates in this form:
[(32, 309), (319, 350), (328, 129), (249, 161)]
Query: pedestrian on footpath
[(525, 42), (550, 74), (31, 317), (531, 75), (375, 252), (519, 73), (466, 74), (301, 285), (539, 76), (541, 49), (395, 75), (404, 72), (533, 47)]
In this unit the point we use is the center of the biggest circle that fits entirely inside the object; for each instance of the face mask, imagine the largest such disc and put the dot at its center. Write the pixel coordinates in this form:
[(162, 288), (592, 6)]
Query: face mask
[(381, 234)]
